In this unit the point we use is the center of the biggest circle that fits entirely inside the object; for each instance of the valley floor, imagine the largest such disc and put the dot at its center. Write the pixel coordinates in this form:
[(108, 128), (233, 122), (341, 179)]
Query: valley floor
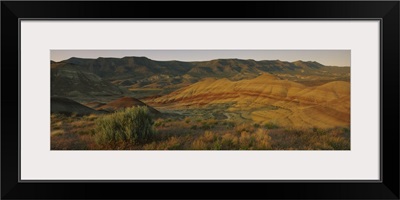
[(201, 130)]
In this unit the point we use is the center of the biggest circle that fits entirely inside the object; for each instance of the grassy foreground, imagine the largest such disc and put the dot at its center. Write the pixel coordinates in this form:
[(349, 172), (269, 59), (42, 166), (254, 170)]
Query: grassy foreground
[(135, 129)]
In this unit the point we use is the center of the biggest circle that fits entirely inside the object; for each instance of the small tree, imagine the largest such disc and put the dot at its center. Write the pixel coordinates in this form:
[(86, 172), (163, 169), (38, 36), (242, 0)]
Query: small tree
[(134, 125)]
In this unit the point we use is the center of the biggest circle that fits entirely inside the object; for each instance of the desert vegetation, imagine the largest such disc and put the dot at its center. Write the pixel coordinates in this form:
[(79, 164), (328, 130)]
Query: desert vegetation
[(135, 129)]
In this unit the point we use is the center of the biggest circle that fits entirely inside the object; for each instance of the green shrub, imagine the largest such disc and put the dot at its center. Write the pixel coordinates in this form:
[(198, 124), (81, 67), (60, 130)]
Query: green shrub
[(133, 125)]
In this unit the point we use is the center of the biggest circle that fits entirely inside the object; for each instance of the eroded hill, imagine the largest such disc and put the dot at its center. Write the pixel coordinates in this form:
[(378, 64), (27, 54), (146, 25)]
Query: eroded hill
[(267, 98)]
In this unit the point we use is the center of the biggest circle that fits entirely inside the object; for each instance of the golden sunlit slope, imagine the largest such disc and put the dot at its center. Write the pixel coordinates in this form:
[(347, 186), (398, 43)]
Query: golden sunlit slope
[(293, 104), (124, 102)]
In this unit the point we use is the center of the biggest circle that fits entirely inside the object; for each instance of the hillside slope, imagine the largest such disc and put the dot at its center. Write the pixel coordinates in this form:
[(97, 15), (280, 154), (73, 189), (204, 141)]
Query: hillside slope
[(267, 98), (71, 81)]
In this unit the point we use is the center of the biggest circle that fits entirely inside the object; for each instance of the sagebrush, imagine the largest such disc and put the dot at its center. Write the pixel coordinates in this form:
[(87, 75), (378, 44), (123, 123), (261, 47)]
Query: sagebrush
[(134, 125)]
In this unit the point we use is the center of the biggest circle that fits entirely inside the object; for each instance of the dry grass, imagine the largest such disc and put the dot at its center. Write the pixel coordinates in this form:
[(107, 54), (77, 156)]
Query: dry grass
[(72, 132), (312, 139), (75, 132)]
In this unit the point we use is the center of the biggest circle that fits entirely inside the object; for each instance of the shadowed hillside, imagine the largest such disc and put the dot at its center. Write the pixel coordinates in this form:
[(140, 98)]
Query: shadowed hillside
[(268, 98)]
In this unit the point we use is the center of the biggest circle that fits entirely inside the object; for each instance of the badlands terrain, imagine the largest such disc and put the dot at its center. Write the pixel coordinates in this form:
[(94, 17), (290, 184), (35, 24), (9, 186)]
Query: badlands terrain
[(228, 104)]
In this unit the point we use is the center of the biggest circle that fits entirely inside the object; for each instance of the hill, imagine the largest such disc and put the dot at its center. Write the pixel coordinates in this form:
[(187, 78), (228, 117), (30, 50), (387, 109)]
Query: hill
[(268, 98)]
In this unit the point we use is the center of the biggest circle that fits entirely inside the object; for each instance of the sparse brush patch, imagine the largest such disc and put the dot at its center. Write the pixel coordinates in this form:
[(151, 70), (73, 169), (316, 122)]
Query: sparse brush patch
[(319, 131), (173, 143), (229, 124), (245, 127), (169, 143), (133, 125), (198, 145), (206, 126), (134, 129), (159, 123), (270, 125), (57, 132), (245, 141), (150, 146), (187, 120), (90, 117), (229, 141), (193, 127), (262, 139), (212, 122), (217, 145), (61, 117), (313, 139), (208, 136)]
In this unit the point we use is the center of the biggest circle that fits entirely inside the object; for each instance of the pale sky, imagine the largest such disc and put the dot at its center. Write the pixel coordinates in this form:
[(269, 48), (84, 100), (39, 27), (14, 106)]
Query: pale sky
[(325, 57)]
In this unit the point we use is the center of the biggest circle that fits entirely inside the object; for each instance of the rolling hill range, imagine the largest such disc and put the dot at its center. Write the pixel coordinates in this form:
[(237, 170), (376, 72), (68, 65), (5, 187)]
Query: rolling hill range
[(266, 98), (68, 106), (77, 77), (122, 103)]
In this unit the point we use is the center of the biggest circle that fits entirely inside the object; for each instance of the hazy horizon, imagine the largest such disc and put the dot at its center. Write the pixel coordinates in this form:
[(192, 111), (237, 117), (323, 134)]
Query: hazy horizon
[(325, 57)]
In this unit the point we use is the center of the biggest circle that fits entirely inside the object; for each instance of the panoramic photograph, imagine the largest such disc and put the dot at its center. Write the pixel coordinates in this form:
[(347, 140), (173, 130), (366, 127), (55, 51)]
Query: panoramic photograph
[(200, 99)]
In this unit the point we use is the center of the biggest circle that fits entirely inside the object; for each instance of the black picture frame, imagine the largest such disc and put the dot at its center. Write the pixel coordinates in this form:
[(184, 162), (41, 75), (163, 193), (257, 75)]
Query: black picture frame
[(386, 11)]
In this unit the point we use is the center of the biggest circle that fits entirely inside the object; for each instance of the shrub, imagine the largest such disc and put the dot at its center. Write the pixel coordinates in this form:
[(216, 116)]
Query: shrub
[(133, 125), (263, 140), (206, 126), (256, 125), (245, 141), (173, 143), (212, 122)]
